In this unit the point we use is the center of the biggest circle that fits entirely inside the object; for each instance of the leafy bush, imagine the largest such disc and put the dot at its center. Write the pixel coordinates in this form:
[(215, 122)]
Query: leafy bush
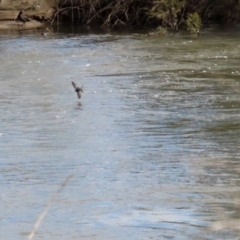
[(193, 22)]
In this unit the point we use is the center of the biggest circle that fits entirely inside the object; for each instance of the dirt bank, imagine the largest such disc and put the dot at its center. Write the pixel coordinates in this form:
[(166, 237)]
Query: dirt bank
[(40, 11)]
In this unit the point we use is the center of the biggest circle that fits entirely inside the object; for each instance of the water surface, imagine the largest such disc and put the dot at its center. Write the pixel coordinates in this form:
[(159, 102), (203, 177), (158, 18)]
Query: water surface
[(152, 146)]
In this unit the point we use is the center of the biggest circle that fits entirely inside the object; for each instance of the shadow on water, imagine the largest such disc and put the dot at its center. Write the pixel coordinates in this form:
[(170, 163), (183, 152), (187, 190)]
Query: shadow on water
[(153, 151), (79, 106)]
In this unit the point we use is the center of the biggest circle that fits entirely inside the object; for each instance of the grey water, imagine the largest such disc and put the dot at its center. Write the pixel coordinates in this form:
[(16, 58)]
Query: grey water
[(152, 146)]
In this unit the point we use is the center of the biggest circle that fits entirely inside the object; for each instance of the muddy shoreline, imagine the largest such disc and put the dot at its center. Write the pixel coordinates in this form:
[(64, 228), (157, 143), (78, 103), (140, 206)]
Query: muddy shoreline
[(40, 12)]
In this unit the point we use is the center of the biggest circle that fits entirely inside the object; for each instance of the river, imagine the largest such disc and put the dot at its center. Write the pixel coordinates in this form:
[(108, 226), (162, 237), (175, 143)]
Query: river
[(152, 147)]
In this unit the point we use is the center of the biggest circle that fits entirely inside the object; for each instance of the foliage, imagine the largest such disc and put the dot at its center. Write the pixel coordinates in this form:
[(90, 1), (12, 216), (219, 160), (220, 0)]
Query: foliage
[(169, 12), (162, 31), (104, 12), (193, 22)]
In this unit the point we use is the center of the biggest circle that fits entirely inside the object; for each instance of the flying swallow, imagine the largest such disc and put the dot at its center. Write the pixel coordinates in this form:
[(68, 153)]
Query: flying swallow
[(78, 89)]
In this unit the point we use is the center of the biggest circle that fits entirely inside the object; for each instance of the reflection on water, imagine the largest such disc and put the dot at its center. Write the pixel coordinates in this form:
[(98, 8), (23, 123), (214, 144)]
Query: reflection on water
[(153, 144)]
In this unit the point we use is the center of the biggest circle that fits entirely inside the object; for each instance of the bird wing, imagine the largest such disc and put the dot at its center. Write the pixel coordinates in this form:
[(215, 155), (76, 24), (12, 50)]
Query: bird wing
[(26, 18), (79, 94), (74, 85)]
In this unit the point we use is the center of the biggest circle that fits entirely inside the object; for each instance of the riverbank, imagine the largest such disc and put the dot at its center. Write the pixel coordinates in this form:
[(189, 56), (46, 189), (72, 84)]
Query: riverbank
[(39, 12), (169, 15), (19, 26)]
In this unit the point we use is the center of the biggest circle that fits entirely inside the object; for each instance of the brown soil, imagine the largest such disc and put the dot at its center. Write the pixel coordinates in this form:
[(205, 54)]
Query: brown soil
[(19, 26), (40, 11)]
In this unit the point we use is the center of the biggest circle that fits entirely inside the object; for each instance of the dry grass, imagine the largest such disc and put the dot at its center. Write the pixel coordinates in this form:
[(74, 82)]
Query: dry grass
[(106, 13)]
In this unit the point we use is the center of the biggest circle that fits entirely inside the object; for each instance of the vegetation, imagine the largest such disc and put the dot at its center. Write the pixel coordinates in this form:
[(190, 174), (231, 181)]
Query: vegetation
[(194, 22), (168, 14)]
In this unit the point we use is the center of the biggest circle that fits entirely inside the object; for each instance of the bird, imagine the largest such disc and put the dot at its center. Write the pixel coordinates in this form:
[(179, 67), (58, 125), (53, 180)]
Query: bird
[(78, 90), (22, 17)]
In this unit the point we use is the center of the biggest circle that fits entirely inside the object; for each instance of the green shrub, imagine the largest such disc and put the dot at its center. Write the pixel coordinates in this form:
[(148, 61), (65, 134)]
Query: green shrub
[(170, 12), (194, 22)]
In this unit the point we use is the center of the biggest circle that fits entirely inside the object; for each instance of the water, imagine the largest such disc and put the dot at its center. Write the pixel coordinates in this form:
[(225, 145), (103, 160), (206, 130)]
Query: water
[(152, 146)]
